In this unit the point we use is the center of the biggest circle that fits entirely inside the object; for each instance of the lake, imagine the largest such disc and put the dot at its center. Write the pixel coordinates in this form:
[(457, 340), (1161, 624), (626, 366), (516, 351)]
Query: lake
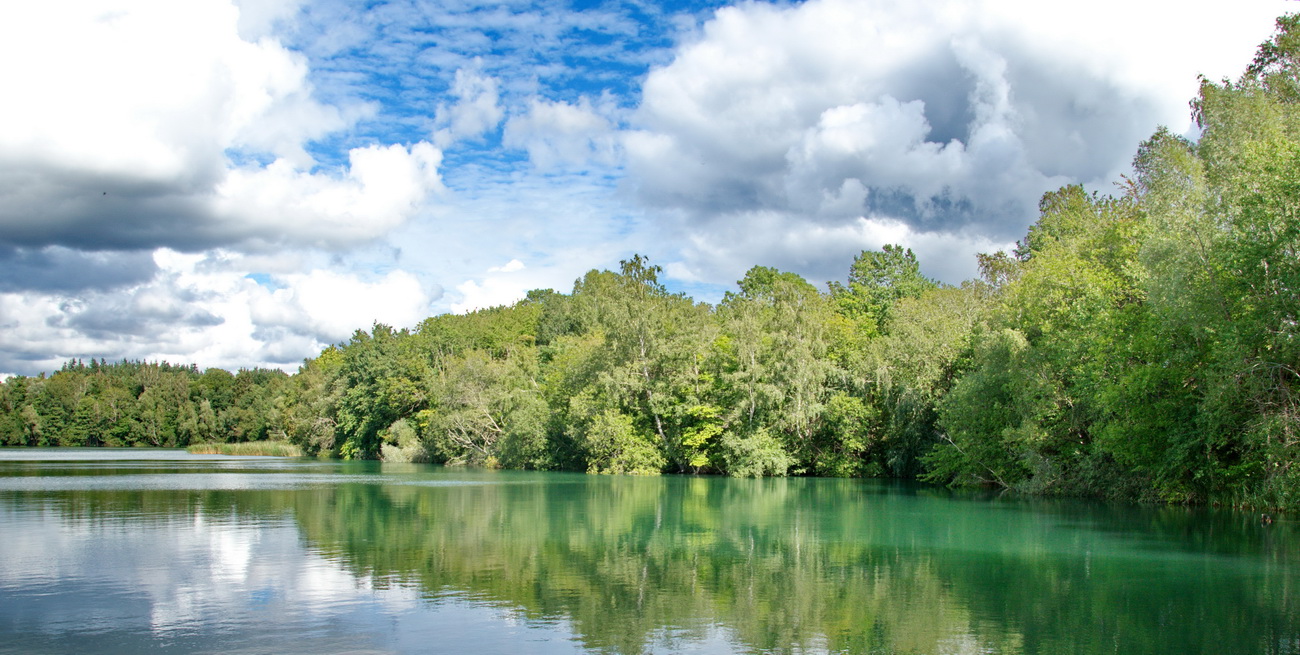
[(127, 551)]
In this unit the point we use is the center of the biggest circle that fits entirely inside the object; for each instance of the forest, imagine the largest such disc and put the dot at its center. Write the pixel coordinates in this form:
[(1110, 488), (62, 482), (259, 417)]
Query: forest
[(1141, 345)]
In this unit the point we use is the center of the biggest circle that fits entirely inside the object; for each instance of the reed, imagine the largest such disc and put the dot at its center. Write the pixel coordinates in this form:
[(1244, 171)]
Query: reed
[(266, 448)]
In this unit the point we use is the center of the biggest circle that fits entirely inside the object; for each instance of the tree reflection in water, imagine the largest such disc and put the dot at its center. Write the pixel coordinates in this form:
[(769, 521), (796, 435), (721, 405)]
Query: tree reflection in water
[(634, 564)]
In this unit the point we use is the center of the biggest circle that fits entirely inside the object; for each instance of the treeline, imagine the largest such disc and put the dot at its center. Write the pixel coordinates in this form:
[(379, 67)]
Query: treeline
[(139, 404), (1143, 345)]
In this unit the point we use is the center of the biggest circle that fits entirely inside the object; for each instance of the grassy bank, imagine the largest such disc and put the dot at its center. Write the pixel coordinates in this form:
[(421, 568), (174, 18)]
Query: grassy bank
[(267, 448)]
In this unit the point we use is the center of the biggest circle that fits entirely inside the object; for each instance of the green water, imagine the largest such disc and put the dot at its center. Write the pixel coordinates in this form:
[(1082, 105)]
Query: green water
[(179, 553)]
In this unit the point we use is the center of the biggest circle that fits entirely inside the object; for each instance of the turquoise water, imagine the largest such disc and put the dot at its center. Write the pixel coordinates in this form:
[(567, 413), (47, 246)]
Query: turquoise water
[(133, 551)]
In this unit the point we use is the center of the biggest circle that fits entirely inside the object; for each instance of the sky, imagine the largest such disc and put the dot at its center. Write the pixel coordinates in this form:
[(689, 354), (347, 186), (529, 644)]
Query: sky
[(240, 183)]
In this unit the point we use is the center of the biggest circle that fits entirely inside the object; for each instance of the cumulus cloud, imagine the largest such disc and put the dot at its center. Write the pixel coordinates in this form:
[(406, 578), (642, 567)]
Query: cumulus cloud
[(947, 119), (510, 282), (259, 18), (509, 267), (64, 270), (502, 286), (384, 186), (329, 306), (202, 308), (156, 124), (476, 111), (560, 133)]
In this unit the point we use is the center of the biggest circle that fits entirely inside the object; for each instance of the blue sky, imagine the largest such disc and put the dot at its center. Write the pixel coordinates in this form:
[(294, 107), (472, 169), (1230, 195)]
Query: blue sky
[(239, 183)]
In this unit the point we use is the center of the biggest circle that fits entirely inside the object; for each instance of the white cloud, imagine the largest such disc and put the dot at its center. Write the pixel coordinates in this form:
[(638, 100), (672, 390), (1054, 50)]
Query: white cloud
[(507, 284), (383, 187), (146, 124), (152, 88), (259, 18), (509, 267), (330, 306), (32, 340), (503, 285), (477, 109), (561, 224), (560, 133)]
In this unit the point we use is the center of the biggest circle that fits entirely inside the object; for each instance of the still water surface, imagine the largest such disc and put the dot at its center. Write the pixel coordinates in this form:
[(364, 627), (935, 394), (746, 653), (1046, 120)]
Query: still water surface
[(158, 551)]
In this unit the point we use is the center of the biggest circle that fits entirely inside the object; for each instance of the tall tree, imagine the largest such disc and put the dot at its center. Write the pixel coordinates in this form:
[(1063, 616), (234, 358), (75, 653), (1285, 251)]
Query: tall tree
[(878, 279)]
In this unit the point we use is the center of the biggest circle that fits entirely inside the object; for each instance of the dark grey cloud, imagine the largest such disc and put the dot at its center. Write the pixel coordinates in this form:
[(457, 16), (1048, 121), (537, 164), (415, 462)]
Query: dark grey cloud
[(49, 205), (936, 212), (956, 128), (108, 323), (938, 80), (60, 270), (1075, 122)]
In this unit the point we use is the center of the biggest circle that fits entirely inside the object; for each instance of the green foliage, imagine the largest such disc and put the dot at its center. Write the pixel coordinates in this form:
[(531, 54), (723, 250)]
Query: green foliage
[(379, 373), (615, 445), (1276, 67), (754, 454), (849, 429), (401, 443), (308, 404), (877, 280), (487, 411), (914, 366), (993, 417), (777, 372), (138, 404), (701, 438)]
